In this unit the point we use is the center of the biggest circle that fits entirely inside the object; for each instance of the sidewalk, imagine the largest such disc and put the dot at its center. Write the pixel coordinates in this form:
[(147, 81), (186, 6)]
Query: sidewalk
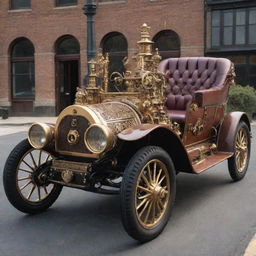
[(22, 121)]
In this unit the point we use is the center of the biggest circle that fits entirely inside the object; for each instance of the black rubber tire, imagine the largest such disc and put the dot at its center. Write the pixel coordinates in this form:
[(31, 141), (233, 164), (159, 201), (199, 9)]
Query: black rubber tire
[(128, 188), (232, 167), (9, 182)]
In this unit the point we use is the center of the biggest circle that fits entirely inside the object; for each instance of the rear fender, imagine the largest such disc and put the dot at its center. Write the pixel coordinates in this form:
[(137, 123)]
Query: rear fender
[(226, 136), (162, 136)]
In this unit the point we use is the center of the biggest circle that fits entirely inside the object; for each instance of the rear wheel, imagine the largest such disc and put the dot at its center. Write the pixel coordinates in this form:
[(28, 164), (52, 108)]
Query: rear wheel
[(23, 179), (147, 193), (238, 163)]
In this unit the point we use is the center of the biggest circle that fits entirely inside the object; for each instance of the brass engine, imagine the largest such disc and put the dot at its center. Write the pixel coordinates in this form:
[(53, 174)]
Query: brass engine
[(143, 101)]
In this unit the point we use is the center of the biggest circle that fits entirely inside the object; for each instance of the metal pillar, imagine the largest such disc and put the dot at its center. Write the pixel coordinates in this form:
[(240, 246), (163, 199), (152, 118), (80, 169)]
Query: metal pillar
[(90, 10)]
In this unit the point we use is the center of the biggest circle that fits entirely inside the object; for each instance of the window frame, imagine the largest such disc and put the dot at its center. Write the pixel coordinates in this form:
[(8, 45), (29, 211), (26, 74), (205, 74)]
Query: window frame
[(11, 7), (57, 4), (14, 60), (221, 44)]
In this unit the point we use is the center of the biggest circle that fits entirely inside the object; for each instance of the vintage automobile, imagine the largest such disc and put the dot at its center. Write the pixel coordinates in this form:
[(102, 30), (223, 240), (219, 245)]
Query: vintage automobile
[(168, 118)]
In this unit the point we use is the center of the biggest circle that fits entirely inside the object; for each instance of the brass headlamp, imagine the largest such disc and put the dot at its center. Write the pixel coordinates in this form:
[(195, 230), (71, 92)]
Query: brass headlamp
[(99, 138), (40, 134)]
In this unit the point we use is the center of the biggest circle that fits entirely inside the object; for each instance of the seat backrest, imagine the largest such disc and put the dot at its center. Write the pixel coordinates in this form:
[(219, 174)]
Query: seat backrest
[(187, 75)]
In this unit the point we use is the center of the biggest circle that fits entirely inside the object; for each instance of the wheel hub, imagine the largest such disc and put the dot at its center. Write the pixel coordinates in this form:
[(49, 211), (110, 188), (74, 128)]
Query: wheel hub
[(157, 192), (39, 176)]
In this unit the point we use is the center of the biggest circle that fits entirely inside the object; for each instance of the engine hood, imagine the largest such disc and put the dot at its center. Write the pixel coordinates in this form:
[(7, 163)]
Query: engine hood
[(117, 116)]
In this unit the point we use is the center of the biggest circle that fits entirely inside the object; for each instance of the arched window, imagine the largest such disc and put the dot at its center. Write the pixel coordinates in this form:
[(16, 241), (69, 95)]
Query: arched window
[(67, 50), (67, 45), (23, 69), (115, 44), (168, 43)]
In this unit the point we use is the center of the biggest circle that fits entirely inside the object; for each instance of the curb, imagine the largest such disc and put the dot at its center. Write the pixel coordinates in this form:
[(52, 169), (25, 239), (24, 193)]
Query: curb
[(16, 124)]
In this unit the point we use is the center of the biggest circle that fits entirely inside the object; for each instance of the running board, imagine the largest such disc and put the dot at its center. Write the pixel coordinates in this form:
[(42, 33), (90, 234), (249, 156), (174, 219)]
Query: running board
[(210, 161)]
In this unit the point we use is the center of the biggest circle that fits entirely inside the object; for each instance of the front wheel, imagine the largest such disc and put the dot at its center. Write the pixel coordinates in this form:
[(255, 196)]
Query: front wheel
[(147, 193), (23, 186), (238, 163)]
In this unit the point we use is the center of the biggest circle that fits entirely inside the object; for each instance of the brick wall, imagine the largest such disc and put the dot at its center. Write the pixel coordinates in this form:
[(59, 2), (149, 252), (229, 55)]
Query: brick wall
[(45, 23)]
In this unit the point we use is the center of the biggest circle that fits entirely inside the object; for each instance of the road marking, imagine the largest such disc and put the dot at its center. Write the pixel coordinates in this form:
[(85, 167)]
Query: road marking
[(251, 248)]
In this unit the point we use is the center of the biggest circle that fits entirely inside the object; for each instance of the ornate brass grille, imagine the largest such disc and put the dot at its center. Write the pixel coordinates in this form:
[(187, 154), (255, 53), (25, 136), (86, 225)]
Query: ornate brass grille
[(76, 126)]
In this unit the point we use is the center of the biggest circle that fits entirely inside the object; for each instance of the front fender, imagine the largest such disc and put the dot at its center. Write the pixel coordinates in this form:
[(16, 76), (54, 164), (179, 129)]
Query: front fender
[(162, 136), (226, 137)]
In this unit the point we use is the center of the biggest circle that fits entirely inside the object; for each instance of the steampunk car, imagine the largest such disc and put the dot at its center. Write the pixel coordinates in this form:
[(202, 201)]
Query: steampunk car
[(169, 119)]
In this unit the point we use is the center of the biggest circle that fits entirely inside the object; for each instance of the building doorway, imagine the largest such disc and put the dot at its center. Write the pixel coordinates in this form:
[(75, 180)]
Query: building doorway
[(68, 80), (67, 71)]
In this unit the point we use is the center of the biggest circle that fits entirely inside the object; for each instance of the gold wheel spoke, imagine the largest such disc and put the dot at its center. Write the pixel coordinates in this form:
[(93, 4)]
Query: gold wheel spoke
[(158, 207), (148, 212), (39, 193), (47, 158), (161, 203), (45, 190), (25, 185), (24, 170), (145, 179), (161, 180), (144, 208), (158, 176), (242, 137), (27, 164), (39, 157), (153, 212), (24, 178), (149, 174), (144, 196), (165, 190), (142, 203), (31, 191), (33, 160), (154, 173), (143, 189)]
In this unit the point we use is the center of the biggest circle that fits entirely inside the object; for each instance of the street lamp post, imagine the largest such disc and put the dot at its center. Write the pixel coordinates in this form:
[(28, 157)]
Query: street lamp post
[(90, 10)]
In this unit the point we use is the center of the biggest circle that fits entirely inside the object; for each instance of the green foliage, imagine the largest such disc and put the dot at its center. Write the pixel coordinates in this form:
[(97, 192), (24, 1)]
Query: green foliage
[(242, 98)]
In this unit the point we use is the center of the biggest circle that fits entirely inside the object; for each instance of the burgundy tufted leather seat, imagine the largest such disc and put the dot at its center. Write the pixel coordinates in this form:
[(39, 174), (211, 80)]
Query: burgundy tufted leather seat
[(190, 78)]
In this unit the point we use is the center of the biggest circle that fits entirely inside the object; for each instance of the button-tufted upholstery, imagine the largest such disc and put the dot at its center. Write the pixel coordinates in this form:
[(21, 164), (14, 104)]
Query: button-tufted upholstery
[(189, 78)]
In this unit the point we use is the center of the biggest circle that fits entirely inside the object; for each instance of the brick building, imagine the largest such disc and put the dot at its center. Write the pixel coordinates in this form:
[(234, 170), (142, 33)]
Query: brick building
[(43, 43)]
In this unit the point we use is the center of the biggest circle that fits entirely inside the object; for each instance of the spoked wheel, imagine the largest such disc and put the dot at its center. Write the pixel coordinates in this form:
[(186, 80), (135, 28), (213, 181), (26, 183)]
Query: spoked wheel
[(24, 181), (152, 193), (147, 193), (238, 163)]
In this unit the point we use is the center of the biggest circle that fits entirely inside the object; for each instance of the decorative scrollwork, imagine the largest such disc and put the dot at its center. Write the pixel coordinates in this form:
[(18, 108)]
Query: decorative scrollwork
[(118, 80), (193, 107), (145, 83), (153, 79), (197, 128)]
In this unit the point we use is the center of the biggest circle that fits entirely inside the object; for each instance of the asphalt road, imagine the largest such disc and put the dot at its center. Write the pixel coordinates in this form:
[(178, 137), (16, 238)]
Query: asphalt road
[(212, 216)]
